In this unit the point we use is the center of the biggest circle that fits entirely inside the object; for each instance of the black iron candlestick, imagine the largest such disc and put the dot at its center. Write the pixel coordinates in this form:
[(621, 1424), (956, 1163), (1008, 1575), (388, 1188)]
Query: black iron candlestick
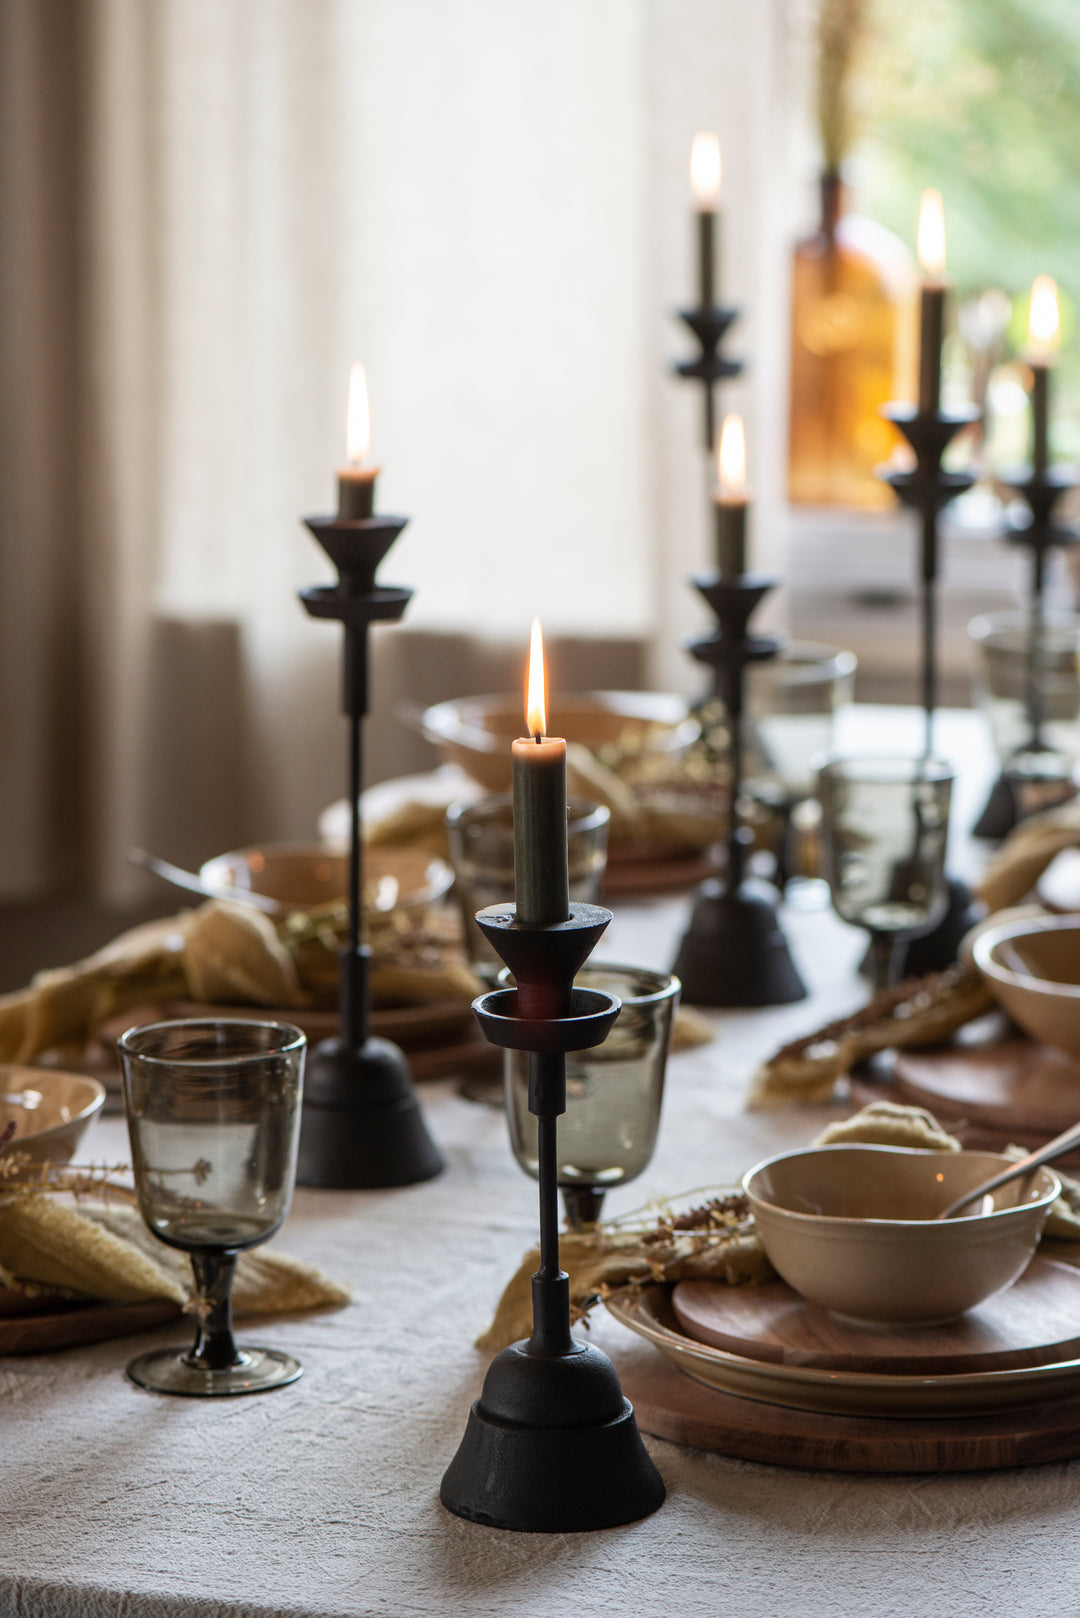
[(709, 324), (1041, 487), (362, 1126), (551, 1445), (734, 952), (927, 488)]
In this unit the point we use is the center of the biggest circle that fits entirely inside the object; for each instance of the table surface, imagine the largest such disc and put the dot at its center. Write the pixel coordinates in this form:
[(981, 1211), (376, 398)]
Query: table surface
[(322, 1498)]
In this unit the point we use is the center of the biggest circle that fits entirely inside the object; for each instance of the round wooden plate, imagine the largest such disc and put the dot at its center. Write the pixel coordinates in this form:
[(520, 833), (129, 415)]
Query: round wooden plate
[(1036, 1322), (993, 1091)]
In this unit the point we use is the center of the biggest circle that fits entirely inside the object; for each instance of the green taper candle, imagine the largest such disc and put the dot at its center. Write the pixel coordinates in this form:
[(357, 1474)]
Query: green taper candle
[(541, 880)]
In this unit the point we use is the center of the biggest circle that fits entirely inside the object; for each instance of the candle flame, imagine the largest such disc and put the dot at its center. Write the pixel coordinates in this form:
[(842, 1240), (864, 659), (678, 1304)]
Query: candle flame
[(931, 238), (1044, 319), (536, 699), (731, 456), (357, 418), (705, 170)]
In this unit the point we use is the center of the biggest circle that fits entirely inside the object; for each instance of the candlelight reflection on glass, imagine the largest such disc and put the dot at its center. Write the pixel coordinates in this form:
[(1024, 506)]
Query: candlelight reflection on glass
[(884, 828)]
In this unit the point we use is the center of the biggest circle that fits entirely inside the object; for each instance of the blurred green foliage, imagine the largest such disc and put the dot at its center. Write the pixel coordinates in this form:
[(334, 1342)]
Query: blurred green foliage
[(980, 98)]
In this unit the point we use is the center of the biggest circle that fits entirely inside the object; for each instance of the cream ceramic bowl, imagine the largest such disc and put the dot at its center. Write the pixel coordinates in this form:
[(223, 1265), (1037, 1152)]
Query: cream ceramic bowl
[(51, 1111), (476, 732), (302, 876), (852, 1228), (1032, 965)]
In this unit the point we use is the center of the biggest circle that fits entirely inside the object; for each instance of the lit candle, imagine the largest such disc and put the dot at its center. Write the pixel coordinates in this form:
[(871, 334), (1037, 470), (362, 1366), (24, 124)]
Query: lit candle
[(705, 184), (931, 250), (356, 482), (541, 881), (731, 500), (1044, 334)]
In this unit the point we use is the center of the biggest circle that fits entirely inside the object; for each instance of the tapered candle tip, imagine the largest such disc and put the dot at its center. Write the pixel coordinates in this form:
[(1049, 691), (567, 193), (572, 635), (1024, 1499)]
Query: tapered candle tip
[(931, 238), (1044, 318), (536, 698), (357, 418), (731, 457), (705, 170)]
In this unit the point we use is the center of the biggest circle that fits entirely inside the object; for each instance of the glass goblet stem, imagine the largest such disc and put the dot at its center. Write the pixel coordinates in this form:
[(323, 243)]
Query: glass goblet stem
[(215, 1347), (582, 1205), (885, 959)]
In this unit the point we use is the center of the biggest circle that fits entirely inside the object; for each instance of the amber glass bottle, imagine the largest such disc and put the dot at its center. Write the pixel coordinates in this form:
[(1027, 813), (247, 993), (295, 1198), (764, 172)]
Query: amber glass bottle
[(851, 352)]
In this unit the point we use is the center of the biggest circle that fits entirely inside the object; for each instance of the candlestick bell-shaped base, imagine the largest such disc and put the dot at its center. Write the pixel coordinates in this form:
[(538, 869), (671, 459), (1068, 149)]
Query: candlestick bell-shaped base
[(551, 1445), (362, 1127), (940, 949), (734, 952)]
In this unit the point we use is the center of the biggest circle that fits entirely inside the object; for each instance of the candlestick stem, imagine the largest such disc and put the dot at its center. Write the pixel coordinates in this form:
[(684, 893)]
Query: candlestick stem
[(1040, 424), (929, 662)]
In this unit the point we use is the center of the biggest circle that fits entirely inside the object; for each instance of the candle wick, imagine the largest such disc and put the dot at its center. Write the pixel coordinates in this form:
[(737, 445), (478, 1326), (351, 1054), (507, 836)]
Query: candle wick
[(536, 738)]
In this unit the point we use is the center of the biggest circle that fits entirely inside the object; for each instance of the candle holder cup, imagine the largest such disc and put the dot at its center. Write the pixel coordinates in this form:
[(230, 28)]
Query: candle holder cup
[(709, 324), (927, 488), (361, 1126), (551, 1445), (1038, 532), (734, 952)]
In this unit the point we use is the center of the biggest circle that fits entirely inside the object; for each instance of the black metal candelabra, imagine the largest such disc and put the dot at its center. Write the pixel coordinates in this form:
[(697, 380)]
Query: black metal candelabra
[(551, 1445), (734, 952), (362, 1126), (927, 488), (709, 324), (1041, 487)]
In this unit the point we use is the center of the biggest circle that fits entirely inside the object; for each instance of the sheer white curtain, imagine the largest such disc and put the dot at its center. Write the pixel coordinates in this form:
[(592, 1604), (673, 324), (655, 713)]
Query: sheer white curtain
[(485, 201)]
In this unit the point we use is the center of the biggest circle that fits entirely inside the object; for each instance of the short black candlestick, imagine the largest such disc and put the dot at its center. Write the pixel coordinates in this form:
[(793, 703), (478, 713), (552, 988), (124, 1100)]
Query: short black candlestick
[(734, 952), (927, 488), (361, 1126), (551, 1445)]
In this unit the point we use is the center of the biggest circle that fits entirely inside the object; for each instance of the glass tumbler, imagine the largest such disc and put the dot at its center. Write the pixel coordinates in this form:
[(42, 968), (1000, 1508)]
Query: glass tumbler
[(884, 827), (213, 1113), (481, 837), (1027, 683), (791, 705), (614, 1092)]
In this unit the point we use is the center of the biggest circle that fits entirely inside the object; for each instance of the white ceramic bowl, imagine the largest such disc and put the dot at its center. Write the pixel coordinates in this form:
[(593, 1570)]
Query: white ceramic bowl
[(853, 1228), (51, 1111), (1032, 964)]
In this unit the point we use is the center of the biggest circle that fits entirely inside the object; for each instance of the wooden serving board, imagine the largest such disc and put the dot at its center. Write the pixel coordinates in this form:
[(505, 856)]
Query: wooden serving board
[(671, 1405), (46, 1331), (627, 877), (1036, 1322), (991, 1092)]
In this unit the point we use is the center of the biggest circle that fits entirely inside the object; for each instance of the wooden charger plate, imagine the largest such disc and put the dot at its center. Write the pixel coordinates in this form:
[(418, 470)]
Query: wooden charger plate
[(993, 1088), (1035, 1322), (673, 1406), (74, 1325)]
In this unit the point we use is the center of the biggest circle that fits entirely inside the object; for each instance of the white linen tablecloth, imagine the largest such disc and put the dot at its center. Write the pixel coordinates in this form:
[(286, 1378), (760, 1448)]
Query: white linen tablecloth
[(322, 1498)]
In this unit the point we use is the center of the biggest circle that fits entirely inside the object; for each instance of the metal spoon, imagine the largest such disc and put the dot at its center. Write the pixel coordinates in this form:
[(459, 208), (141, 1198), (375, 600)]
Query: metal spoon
[(1054, 1148), (195, 884)]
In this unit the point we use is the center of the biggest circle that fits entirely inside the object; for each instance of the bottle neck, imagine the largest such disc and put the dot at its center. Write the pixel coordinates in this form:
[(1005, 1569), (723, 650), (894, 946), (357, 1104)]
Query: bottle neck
[(832, 202)]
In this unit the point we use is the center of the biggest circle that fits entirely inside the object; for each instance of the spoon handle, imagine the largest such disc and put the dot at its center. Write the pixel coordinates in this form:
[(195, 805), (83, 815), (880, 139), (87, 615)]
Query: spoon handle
[(195, 884), (1057, 1147)]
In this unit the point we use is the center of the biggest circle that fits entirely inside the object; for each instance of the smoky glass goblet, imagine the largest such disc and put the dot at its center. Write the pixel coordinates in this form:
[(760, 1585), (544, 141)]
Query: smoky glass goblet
[(213, 1113), (884, 827), (614, 1092)]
